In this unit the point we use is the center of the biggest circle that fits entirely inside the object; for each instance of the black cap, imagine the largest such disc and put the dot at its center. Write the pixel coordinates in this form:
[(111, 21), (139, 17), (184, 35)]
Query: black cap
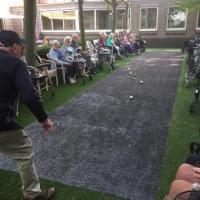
[(8, 38)]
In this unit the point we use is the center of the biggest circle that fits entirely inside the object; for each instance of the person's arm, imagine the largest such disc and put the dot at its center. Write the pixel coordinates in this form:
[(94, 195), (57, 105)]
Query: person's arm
[(196, 173), (23, 83)]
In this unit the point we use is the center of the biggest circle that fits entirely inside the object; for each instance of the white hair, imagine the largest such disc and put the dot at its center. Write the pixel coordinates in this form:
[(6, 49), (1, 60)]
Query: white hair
[(67, 38), (103, 33), (55, 42)]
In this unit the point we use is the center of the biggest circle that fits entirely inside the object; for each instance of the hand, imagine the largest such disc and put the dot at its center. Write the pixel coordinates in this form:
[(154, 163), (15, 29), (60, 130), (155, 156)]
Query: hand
[(196, 173), (47, 125)]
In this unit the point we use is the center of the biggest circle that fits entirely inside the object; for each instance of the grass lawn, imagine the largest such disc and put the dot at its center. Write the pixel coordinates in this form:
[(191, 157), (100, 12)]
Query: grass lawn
[(184, 128), (163, 49), (10, 182)]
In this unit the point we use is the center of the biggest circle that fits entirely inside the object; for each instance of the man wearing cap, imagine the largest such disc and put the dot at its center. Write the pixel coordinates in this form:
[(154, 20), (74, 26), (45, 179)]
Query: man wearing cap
[(15, 81)]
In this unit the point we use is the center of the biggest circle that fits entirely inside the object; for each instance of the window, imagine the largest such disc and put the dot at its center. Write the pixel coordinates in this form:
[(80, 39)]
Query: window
[(88, 20), (198, 20), (103, 19), (63, 20), (46, 21), (121, 19), (148, 19), (69, 20), (176, 19), (58, 20)]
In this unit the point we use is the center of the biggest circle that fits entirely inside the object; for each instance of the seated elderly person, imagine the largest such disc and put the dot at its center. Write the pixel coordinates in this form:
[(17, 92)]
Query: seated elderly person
[(74, 41), (110, 42), (102, 40), (57, 55), (66, 48), (187, 177), (81, 61)]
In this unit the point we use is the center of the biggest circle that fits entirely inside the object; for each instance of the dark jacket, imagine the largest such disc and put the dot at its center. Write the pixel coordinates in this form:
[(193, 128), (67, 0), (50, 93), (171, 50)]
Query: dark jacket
[(16, 82), (74, 45)]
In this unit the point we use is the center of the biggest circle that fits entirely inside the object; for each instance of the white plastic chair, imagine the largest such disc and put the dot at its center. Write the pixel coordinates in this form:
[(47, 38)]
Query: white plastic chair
[(59, 66), (93, 52), (50, 72)]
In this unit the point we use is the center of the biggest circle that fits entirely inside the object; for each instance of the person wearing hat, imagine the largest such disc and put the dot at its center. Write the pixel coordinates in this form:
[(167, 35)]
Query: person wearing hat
[(15, 81)]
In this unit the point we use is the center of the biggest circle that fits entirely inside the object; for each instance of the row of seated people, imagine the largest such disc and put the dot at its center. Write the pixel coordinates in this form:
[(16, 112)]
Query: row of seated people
[(67, 56), (122, 43), (65, 59)]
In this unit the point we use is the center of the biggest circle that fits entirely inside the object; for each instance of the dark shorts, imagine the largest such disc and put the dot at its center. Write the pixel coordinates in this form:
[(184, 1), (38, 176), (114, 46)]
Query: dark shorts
[(193, 159)]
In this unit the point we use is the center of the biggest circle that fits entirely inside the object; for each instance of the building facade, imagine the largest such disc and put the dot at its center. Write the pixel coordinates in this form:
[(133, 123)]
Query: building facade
[(159, 22)]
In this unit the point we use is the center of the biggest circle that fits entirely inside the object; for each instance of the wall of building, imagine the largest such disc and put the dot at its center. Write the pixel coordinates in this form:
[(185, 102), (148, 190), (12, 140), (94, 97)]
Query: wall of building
[(159, 38), (14, 25), (162, 37)]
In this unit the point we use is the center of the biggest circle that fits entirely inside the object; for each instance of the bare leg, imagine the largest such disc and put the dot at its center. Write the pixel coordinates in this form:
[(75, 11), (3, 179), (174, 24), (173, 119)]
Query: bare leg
[(185, 173), (177, 187)]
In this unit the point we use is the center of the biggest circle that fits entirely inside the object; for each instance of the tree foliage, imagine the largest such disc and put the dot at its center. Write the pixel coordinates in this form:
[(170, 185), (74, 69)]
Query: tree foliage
[(190, 5)]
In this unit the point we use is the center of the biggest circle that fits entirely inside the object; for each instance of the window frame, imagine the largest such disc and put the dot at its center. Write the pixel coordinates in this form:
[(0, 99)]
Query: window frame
[(77, 29), (55, 10), (90, 30), (148, 29), (176, 29)]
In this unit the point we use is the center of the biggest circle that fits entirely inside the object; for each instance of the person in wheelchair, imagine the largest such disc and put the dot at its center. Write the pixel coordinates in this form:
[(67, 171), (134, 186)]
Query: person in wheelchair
[(102, 40), (58, 56), (127, 42), (78, 58), (67, 50), (110, 43), (119, 43), (187, 177), (74, 42)]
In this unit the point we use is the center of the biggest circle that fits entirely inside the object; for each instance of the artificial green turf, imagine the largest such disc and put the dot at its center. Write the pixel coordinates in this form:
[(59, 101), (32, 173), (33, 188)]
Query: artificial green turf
[(184, 128), (10, 182), (10, 189)]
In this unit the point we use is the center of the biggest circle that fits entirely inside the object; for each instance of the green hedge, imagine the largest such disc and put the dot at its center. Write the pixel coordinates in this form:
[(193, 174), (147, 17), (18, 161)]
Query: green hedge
[(42, 50)]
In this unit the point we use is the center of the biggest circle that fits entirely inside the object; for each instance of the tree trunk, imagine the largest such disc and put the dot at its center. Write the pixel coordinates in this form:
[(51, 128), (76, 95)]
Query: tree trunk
[(126, 15), (114, 10), (1, 24), (29, 31), (81, 24)]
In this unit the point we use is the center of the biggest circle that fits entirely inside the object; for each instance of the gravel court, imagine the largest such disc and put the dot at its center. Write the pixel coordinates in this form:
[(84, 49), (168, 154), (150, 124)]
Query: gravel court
[(107, 142)]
